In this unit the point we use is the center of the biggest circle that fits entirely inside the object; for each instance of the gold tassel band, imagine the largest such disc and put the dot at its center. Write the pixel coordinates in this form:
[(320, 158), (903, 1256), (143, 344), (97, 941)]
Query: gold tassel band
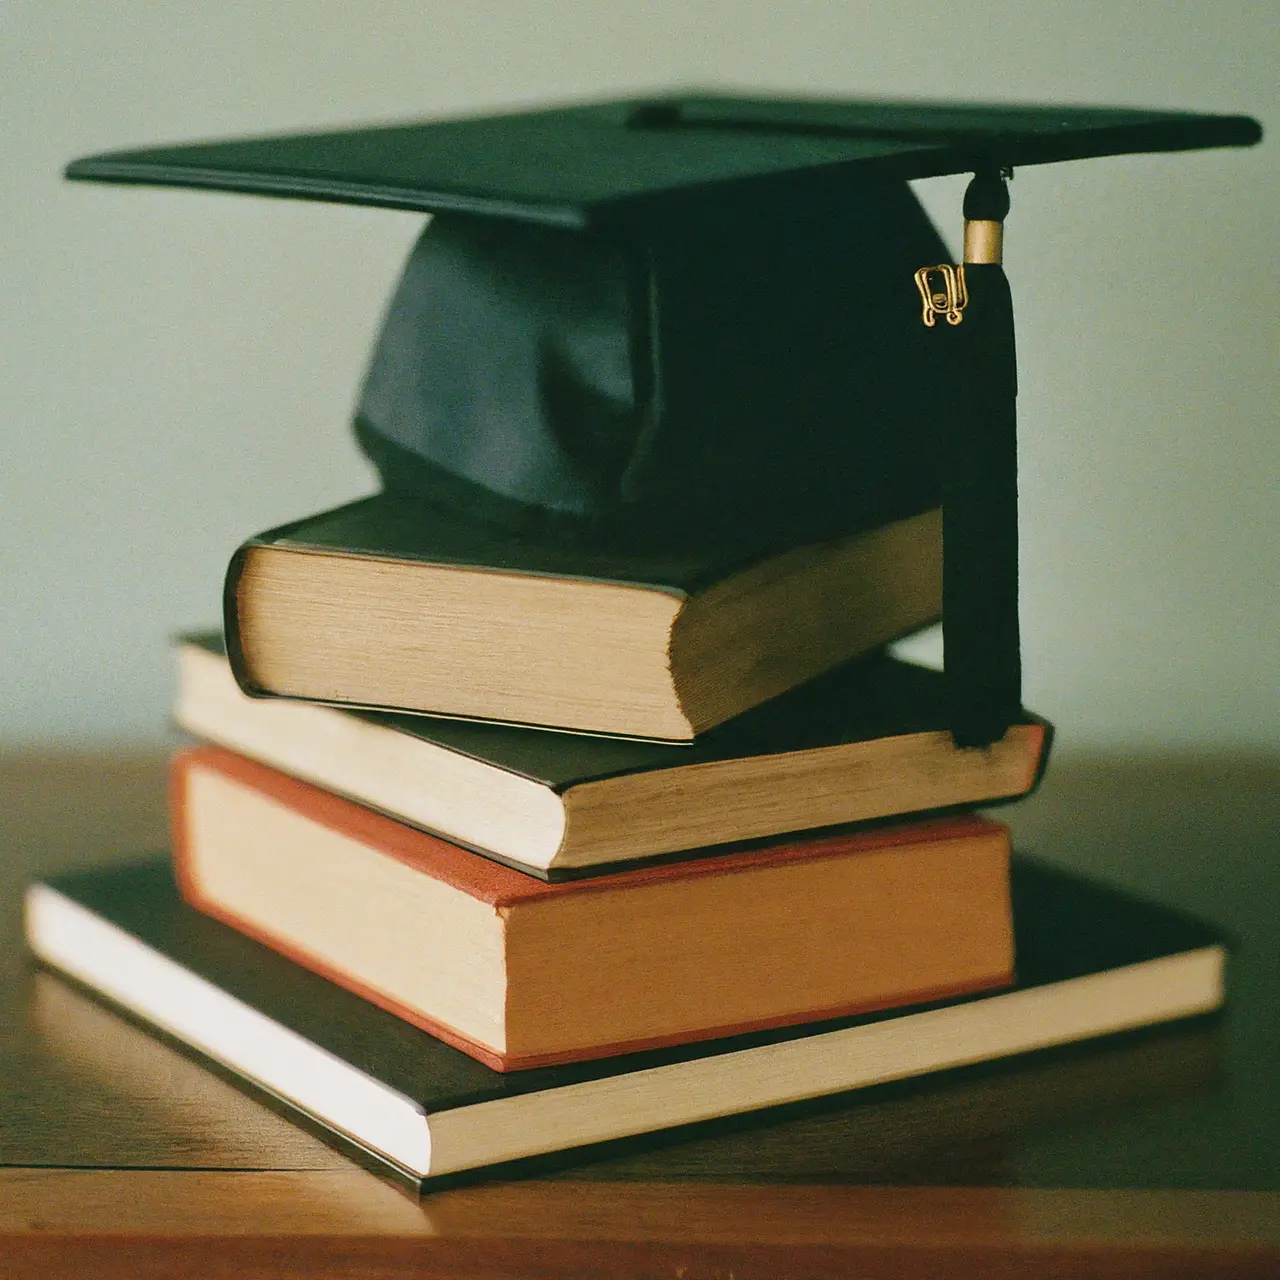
[(983, 241)]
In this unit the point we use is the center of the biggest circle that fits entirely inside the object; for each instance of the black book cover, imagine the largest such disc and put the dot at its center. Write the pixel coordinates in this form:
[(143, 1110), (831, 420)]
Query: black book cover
[(390, 526)]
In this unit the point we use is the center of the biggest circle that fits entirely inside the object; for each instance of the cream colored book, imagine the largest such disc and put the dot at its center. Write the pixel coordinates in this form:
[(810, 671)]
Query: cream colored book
[(867, 741)]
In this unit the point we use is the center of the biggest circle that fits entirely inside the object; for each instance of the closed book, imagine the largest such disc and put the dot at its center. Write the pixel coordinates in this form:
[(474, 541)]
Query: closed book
[(866, 741), (389, 603), (1091, 961), (521, 973)]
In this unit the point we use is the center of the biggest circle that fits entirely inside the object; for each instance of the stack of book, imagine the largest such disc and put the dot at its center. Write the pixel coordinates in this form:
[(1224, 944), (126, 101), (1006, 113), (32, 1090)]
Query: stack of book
[(565, 790), (456, 943)]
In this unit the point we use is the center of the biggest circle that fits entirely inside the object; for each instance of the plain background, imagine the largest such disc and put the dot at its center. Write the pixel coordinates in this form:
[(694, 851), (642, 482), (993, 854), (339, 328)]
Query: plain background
[(177, 369)]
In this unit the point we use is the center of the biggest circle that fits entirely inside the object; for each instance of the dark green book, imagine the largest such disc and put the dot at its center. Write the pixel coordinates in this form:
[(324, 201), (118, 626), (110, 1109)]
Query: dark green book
[(389, 603), (866, 741), (1092, 961)]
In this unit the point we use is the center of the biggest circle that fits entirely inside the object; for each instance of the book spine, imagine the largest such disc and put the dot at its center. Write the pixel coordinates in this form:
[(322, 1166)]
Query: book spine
[(231, 621), (231, 606)]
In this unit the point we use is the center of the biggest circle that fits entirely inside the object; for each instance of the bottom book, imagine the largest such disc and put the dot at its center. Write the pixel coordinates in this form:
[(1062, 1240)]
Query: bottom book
[(1091, 962)]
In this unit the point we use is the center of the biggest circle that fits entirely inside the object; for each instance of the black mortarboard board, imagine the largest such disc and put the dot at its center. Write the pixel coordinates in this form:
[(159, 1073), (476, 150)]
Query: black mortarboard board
[(692, 320)]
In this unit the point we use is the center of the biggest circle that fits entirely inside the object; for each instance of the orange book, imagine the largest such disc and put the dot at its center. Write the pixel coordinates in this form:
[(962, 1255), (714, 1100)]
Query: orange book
[(521, 973)]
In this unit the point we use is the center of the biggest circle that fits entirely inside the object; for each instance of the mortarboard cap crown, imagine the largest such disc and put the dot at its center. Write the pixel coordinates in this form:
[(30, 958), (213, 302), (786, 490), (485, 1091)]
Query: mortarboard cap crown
[(682, 317)]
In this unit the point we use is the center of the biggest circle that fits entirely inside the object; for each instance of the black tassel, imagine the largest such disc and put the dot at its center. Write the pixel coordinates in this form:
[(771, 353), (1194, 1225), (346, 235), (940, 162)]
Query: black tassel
[(977, 444), (980, 518)]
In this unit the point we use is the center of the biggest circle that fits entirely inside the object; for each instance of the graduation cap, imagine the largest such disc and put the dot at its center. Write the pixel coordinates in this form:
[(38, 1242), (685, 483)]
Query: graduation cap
[(710, 321)]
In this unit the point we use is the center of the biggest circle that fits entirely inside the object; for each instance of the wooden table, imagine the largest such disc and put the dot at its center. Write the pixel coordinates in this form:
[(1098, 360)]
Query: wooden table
[(1152, 1155)]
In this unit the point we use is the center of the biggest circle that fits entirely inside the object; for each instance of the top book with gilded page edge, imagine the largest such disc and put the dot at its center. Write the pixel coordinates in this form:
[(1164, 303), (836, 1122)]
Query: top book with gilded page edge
[(387, 603)]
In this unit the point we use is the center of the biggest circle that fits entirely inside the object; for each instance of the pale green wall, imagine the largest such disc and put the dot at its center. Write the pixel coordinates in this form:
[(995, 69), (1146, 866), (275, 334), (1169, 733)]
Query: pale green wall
[(176, 369)]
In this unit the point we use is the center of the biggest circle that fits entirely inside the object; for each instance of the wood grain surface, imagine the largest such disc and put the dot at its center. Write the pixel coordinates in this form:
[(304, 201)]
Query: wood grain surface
[(1151, 1155), (345, 1224)]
